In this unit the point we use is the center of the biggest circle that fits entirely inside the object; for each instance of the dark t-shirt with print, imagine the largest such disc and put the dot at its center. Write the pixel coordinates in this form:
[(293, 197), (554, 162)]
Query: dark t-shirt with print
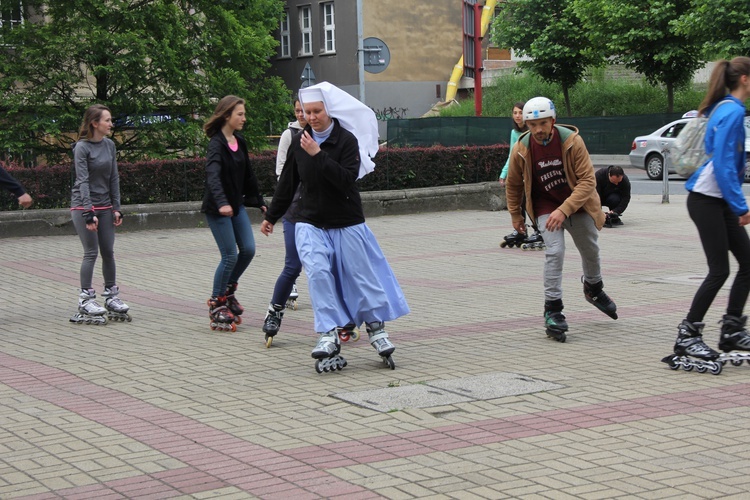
[(549, 188)]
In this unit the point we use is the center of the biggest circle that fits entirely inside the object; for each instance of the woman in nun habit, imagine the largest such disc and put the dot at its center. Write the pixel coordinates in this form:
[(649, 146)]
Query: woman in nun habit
[(348, 277)]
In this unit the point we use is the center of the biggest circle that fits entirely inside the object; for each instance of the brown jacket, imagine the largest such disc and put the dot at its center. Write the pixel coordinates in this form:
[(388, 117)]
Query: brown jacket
[(579, 172)]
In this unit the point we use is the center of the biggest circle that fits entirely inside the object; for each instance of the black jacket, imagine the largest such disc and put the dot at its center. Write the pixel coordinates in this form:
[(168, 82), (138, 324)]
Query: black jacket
[(227, 181), (604, 187), (328, 194), (8, 182)]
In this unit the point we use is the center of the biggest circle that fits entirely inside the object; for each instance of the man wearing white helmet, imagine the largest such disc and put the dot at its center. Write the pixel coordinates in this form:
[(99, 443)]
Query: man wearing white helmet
[(551, 167)]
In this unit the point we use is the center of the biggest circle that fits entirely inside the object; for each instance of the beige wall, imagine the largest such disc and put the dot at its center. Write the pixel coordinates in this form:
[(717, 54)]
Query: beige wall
[(423, 36)]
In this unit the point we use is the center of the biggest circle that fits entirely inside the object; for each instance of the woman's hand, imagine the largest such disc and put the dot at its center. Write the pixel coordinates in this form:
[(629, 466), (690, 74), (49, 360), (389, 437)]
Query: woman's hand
[(308, 144), (226, 211), (745, 219), (117, 218), (93, 226), (266, 227)]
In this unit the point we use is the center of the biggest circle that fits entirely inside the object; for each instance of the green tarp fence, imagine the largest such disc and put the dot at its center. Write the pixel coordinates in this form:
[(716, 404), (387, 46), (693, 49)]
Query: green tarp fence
[(603, 135)]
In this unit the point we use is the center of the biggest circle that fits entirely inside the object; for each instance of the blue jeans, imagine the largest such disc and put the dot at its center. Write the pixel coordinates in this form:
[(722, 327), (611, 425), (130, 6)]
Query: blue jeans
[(230, 234), (292, 267)]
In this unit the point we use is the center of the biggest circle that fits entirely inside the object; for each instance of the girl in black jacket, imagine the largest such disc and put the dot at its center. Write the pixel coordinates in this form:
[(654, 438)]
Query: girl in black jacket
[(230, 186)]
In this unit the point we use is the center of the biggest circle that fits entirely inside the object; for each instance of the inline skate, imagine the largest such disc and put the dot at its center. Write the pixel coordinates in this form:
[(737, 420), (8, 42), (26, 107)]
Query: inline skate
[(89, 310), (533, 242), (117, 310), (232, 304), (348, 331), (554, 320), (221, 317), (291, 302), (272, 322), (326, 353), (612, 219), (514, 239), (595, 295), (734, 337), (379, 340), (691, 352)]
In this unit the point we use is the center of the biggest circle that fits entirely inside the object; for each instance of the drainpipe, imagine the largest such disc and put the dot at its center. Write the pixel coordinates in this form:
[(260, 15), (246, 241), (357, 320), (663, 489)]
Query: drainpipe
[(360, 52)]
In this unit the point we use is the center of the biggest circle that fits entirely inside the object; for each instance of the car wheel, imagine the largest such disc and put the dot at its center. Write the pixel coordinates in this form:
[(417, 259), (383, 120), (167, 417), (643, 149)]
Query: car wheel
[(654, 166)]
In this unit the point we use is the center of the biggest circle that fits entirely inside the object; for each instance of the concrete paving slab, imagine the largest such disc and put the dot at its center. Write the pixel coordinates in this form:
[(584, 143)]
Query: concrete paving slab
[(447, 392)]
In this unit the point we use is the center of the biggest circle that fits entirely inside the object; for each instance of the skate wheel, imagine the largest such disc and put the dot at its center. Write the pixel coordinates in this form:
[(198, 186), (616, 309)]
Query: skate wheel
[(737, 362), (269, 341), (344, 336), (317, 367), (232, 327), (294, 305), (355, 336), (701, 369), (238, 320), (388, 360), (688, 367), (503, 244), (716, 368)]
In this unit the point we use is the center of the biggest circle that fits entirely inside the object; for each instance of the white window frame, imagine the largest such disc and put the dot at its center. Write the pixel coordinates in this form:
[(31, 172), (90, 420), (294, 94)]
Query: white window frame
[(13, 22), (329, 28), (284, 39), (305, 27)]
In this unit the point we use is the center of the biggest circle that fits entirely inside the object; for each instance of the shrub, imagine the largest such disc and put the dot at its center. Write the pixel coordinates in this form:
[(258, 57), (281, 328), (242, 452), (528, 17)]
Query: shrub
[(165, 181)]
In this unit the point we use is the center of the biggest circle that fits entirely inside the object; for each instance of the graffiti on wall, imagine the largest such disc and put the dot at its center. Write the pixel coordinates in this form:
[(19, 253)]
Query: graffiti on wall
[(390, 113)]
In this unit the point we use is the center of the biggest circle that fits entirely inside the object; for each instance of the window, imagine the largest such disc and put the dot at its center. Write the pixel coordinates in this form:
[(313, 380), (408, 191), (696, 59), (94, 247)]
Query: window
[(284, 36), (329, 28), (11, 13), (305, 25)]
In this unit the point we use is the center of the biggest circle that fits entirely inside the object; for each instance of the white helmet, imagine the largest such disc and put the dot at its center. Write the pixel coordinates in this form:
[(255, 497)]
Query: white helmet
[(538, 107)]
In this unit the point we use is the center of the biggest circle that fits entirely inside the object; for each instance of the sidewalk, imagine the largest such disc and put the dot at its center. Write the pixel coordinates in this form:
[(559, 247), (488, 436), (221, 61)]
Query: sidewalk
[(480, 405)]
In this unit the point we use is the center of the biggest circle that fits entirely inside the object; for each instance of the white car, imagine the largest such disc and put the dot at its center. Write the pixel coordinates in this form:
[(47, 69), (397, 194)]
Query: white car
[(650, 152)]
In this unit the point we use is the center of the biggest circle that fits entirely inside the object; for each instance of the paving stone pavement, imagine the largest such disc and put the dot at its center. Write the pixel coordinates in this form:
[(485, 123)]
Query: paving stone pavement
[(163, 407)]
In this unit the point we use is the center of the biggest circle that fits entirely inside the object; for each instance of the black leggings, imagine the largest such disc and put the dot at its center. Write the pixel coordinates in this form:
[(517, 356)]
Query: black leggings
[(720, 233)]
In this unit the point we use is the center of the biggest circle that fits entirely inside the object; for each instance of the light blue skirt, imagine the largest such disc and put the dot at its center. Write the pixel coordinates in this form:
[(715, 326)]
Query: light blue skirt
[(349, 279)]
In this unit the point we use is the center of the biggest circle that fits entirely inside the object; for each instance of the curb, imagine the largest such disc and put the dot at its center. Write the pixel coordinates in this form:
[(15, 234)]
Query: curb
[(56, 222)]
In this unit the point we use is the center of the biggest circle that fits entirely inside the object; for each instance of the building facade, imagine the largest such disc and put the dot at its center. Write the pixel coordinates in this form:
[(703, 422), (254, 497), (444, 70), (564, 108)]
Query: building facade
[(410, 49)]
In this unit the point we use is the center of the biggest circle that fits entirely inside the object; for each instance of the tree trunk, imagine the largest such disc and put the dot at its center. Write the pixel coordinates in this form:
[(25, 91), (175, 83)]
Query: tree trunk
[(566, 94)]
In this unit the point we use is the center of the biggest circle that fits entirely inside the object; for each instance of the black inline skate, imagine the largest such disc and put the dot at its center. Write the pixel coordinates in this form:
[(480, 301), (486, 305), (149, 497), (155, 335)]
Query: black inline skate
[(595, 295), (691, 352), (117, 310), (272, 322), (734, 337), (221, 317), (612, 219), (348, 331), (326, 353), (533, 242), (233, 304), (514, 239), (554, 320), (379, 340), (89, 310)]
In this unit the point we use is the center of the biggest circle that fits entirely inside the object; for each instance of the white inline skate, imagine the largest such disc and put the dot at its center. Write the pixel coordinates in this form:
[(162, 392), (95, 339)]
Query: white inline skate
[(326, 353), (89, 311), (117, 310), (291, 302), (379, 340)]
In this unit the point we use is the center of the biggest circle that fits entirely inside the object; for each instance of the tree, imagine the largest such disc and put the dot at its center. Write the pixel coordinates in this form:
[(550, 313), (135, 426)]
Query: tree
[(723, 26), (551, 35), (158, 64), (641, 34)]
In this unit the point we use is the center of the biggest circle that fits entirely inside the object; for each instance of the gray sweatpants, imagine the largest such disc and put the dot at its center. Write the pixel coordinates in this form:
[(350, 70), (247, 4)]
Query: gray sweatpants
[(585, 236), (103, 239)]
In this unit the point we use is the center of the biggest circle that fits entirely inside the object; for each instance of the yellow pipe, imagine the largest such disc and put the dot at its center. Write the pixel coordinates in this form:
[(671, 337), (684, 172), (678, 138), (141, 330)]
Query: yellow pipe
[(458, 70)]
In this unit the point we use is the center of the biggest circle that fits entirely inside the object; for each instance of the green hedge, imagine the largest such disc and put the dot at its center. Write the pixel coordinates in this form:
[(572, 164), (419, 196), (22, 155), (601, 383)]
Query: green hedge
[(164, 181)]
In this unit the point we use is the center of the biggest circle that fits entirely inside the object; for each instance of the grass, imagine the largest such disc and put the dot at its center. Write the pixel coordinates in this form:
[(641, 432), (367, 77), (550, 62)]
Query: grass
[(596, 96)]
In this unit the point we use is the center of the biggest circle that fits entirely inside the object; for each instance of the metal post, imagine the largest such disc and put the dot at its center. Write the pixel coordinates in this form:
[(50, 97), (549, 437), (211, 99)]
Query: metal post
[(665, 177), (360, 52), (478, 63)]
